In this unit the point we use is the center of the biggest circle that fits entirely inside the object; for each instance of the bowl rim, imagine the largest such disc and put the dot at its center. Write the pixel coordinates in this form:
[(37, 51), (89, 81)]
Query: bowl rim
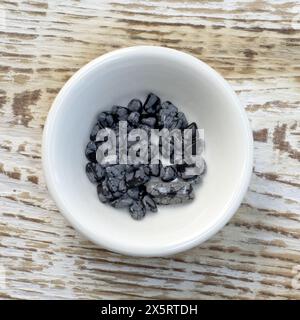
[(234, 203)]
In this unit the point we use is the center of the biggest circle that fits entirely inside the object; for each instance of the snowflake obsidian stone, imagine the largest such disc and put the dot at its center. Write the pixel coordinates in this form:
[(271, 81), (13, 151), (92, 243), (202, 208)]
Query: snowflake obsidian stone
[(141, 186)]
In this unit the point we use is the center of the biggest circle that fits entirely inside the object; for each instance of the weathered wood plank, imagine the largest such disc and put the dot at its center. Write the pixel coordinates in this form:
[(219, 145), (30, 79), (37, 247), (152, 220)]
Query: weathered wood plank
[(255, 45)]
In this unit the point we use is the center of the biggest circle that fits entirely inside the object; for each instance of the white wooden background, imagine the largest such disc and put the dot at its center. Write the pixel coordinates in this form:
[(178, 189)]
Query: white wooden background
[(254, 44)]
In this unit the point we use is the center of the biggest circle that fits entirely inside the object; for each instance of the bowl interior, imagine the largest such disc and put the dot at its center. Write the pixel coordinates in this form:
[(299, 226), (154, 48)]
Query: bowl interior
[(115, 79)]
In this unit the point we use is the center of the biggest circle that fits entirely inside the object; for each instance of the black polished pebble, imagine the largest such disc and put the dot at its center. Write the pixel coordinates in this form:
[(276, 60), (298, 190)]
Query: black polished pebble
[(137, 210), (135, 105), (95, 172), (149, 203), (101, 196), (194, 177), (122, 186), (170, 118), (122, 202), (187, 177), (134, 193), (182, 120), (94, 131), (90, 151), (168, 109), (155, 169), (140, 187), (105, 119), (152, 104), (102, 118), (146, 170), (134, 118), (113, 184), (149, 121), (168, 173), (137, 178), (104, 194), (120, 113), (117, 170)]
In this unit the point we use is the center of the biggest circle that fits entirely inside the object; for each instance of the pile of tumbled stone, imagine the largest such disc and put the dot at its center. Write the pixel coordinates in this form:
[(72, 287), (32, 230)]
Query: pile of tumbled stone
[(140, 187)]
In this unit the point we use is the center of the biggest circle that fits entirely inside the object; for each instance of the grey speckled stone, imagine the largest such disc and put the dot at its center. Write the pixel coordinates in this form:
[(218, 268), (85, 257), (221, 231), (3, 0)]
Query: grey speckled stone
[(170, 192)]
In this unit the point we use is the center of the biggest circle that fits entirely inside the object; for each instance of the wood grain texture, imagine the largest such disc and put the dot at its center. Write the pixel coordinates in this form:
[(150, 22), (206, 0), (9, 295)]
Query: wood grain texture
[(254, 44)]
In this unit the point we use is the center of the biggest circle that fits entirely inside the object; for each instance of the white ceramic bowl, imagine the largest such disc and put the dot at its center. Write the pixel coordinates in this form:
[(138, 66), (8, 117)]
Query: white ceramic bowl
[(196, 89)]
